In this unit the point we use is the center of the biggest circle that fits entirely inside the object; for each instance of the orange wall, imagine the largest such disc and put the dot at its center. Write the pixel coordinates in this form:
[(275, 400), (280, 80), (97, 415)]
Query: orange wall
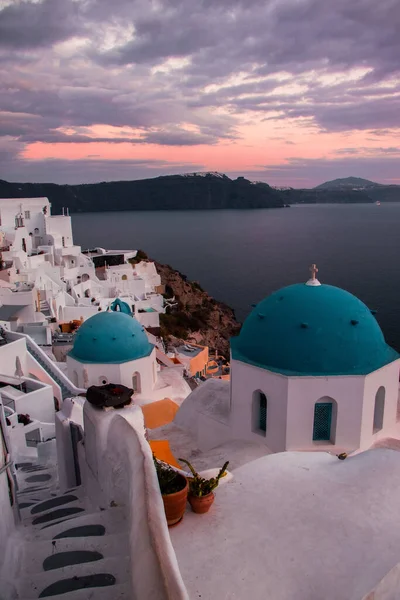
[(199, 362)]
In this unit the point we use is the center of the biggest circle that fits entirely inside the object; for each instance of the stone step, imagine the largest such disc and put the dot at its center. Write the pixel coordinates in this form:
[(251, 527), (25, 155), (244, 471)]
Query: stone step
[(120, 591), (113, 519), (34, 583), (54, 515), (48, 504), (109, 545)]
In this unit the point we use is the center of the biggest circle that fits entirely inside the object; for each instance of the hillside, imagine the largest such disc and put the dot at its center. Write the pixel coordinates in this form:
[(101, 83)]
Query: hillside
[(196, 191), (356, 185), (196, 316), (348, 183), (326, 196)]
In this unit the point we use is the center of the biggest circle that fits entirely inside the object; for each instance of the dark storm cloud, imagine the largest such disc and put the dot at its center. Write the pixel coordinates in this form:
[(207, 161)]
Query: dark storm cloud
[(267, 35), (79, 63), (25, 25)]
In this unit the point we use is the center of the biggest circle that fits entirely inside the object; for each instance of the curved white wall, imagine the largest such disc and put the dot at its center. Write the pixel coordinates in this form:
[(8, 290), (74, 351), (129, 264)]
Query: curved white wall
[(120, 469)]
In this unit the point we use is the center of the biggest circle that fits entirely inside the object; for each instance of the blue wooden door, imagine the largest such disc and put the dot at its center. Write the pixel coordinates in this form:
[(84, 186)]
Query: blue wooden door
[(322, 421)]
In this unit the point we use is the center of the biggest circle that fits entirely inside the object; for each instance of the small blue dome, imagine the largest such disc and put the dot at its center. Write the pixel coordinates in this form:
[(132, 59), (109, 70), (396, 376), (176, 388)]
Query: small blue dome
[(312, 330), (110, 337)]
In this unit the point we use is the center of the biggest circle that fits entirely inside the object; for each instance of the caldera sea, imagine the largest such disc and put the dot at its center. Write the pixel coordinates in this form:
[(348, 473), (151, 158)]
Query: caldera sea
[(241, 256)]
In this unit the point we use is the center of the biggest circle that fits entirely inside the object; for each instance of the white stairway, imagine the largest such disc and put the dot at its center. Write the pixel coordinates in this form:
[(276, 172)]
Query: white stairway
[(69, 553)]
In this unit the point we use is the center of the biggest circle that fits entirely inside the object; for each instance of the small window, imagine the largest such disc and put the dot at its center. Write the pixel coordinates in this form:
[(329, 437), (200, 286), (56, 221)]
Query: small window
[(262, 416), (379, 409), (322, 421), (259, 413), (136, 383), (27, 214), (103, 380)]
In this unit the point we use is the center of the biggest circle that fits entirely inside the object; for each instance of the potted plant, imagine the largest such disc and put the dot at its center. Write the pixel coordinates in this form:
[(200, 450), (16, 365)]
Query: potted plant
[(174, 491), (201, 494)]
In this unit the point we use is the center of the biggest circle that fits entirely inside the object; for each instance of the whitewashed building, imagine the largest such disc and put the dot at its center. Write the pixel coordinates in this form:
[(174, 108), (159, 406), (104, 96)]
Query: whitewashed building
[(290, 524), (112, 347), (310, 370), (56, 280)]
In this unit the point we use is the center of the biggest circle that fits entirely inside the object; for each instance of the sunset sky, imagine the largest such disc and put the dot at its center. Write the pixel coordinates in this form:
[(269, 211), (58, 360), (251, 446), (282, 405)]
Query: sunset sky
[(291, 92)]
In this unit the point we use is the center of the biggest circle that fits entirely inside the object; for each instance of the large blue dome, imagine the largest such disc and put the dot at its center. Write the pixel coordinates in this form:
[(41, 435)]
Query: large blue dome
[(110, 337), (312, 330)]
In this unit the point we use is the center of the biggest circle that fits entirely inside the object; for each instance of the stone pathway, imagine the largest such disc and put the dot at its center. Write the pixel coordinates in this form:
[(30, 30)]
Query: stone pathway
[(70, 553)]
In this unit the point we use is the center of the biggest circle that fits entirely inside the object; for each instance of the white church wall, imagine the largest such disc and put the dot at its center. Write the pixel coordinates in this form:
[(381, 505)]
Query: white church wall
[(82, 374), (144, 367), (388, 377), (87, 374), (305, 392), (245, 380)]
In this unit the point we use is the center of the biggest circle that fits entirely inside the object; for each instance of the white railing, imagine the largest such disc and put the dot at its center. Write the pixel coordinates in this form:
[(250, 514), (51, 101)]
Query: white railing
[(66, 385)]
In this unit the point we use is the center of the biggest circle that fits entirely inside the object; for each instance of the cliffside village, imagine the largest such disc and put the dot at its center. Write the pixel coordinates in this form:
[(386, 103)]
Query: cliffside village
[(310, 381)]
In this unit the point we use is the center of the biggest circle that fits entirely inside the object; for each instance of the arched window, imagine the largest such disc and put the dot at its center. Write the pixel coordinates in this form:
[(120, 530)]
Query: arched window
[(379, 409), (325, 418), (124, 277), (259, 413), (136, 383)]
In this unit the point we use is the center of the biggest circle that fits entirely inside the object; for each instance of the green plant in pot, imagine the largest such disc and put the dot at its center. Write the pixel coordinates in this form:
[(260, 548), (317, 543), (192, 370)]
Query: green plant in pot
[(174, 489), (201, 491)]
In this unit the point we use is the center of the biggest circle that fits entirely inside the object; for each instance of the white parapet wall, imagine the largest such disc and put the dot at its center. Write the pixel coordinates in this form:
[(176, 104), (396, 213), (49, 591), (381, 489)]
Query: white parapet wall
[(119, 470)]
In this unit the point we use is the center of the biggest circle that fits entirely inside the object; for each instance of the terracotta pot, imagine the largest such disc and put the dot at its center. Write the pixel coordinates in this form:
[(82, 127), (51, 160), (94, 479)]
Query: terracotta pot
[(201, 505), (175, 504)]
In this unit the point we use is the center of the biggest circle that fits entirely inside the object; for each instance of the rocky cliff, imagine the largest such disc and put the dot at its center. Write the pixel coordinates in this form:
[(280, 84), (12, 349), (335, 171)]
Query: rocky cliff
[(194, 315)]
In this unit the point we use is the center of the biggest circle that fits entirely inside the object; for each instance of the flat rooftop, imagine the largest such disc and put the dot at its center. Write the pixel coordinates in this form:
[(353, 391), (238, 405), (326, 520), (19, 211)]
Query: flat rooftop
[(102, 252), (300, 525), (188, 350)]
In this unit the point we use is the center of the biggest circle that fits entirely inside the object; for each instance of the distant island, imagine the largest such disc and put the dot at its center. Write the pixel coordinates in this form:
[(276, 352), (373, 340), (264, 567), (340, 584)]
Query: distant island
[(196, 191)]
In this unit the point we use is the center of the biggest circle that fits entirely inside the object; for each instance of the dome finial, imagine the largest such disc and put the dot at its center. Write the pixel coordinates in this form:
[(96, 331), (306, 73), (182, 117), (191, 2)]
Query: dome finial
[(313, 271)]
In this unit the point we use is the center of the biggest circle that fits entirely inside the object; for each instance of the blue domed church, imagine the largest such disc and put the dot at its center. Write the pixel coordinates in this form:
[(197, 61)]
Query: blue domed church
[(310, 370), (112, 347)]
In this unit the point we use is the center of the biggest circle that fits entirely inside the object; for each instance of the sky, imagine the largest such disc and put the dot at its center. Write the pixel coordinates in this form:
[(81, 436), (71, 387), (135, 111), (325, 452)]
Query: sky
[(291, 92)]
